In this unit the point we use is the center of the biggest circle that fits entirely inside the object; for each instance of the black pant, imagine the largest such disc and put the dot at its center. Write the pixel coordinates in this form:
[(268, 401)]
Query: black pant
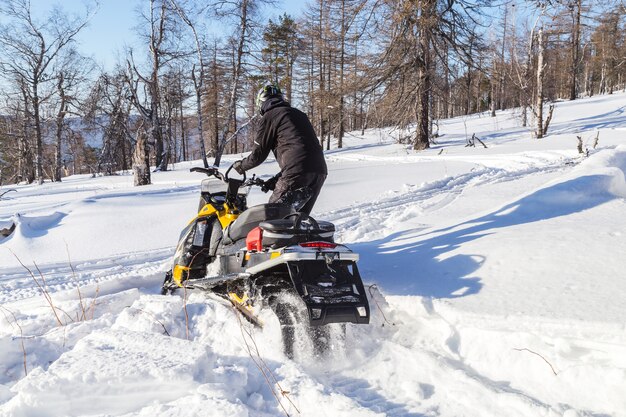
[(313, 180)]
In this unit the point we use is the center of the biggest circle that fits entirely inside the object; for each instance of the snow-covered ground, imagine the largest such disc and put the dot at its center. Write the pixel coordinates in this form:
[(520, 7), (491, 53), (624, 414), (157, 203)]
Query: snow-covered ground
[(496, 276)]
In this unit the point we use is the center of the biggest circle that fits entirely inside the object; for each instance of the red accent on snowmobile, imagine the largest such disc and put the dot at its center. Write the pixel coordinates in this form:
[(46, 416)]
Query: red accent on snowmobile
[(319, 245), (254, 240)]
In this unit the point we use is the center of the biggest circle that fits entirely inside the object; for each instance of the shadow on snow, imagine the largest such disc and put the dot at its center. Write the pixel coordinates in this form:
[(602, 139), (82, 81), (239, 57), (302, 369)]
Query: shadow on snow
[(412, 262)]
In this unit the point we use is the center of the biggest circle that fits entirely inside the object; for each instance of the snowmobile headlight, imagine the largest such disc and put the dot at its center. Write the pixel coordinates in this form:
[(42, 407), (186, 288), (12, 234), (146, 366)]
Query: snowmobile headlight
[(316, 313), (362, 311)]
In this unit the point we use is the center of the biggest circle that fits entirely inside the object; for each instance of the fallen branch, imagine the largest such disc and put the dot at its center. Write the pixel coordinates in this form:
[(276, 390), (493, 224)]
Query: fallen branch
[(533, 352), (7, 191), (262, 366), (80, 296), (580, 147), (154, 318), (41, 287), (377, 305), (186, 312), (471, 142)]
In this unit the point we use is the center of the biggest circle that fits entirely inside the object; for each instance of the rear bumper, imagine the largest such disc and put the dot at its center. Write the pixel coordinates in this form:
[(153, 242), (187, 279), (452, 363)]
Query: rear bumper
[(304, 255)]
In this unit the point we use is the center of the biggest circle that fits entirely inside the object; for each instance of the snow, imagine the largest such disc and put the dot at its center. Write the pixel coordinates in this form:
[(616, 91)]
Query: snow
[(495, 277)]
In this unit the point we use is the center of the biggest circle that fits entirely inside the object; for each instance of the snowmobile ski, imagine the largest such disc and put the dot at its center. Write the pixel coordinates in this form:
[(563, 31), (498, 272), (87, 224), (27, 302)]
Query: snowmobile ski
[(244, 306)]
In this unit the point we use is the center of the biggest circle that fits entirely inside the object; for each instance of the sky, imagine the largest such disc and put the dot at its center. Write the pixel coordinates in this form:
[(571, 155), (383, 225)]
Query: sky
[(111, 29)]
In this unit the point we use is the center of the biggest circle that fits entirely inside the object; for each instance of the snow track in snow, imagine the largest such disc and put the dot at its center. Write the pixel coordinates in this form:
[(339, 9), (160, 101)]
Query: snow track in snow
[(374, 219), (26, 282)]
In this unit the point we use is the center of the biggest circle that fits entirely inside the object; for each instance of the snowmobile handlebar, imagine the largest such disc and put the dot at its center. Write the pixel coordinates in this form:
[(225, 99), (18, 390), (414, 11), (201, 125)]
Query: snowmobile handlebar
[(208, 171), (214, 172)]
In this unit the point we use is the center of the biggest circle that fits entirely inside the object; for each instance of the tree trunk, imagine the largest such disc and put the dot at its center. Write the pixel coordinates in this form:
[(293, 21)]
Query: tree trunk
[(493, 85), (38, 135), (56, 175), (183, 138), (215, 136), (422, 140), (141, 160), (340, 111), (156, 133), (540, 75), (575, 51), (501, 98), (525, 95), (232, 105), (25, 159), (328, 83), (447, 96)]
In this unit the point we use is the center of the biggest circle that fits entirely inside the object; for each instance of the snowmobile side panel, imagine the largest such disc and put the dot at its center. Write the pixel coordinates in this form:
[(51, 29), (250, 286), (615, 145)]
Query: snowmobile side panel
[(207, 210), (227, 216), (193, 249)]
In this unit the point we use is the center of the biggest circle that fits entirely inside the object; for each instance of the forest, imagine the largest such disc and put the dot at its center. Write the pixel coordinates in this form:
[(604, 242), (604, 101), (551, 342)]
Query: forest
[(188, 93)]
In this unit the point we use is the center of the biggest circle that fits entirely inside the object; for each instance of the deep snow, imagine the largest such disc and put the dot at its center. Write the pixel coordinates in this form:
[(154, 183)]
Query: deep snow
[(495, 275)]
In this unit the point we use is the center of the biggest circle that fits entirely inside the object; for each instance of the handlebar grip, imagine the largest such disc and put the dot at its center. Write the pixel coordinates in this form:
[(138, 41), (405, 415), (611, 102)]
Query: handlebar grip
[(207, 171)]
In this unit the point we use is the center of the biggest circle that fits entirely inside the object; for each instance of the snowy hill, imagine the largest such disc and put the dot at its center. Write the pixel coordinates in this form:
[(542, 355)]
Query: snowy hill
[(495, 275)]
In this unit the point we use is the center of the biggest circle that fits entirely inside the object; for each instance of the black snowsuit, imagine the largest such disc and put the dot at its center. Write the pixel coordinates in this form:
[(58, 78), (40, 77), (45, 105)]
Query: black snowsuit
[(289, 135)]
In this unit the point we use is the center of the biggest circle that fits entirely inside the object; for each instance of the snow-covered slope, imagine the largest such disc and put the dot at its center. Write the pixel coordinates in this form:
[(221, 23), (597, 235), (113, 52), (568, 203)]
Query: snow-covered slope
[(495, 275)]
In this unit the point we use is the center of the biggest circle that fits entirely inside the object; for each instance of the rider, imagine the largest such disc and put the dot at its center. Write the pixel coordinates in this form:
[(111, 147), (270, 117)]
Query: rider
[(288, 133)]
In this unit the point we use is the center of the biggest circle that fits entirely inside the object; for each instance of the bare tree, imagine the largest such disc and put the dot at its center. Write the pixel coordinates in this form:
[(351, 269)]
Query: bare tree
[(17, 132), (324, 37), (608, 54), (575, 7), (163, 48), (523, 70), (348, 30), (70, 72), (141, 153), (28, 48), (198, 73), (108, 110), (243, 11), (541, 46), (414, 34)]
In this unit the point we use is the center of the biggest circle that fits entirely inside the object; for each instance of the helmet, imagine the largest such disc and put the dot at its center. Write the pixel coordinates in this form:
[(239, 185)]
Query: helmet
[(269, 91)]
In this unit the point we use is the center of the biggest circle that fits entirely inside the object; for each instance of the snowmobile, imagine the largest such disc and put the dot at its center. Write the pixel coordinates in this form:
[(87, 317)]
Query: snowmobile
[(265, 253)]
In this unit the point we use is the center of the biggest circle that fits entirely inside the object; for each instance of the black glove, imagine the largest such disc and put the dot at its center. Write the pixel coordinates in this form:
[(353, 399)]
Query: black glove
[(270, 184), (237, 167)]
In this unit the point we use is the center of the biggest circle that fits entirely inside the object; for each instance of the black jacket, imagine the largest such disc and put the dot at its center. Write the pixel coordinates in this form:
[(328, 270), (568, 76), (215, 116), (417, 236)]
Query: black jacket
[(288, 133)]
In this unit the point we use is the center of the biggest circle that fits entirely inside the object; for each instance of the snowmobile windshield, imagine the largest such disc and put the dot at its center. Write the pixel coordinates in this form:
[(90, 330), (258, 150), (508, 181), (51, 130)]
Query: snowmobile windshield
[(214, 186)]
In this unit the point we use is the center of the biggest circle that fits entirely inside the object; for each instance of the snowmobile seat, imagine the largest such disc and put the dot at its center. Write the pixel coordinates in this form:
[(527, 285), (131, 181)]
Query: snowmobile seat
[(251, 218), (296, 228)]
